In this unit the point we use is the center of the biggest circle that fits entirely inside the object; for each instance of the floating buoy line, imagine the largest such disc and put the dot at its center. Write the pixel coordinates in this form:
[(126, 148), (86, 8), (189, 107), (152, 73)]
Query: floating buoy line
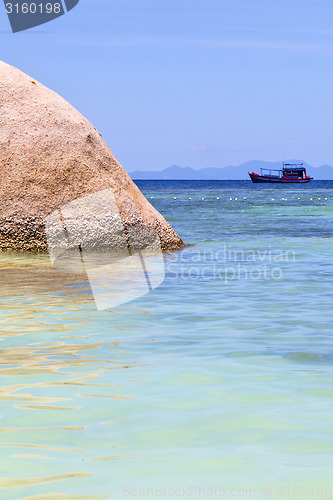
[(245, 199)]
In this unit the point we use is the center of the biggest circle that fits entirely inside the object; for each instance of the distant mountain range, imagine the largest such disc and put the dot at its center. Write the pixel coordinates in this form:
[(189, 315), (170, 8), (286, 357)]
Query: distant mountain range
[(325, 172)]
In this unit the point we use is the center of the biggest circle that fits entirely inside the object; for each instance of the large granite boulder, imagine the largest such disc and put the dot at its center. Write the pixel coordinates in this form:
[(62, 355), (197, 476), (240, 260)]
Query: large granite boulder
[(50, 156)]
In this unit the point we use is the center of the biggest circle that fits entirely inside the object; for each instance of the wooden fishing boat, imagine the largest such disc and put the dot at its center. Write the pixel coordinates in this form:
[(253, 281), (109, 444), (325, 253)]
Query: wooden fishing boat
[(289, 173)]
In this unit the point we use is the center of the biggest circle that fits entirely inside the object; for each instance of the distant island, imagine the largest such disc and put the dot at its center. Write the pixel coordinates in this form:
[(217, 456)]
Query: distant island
[(240, 172)]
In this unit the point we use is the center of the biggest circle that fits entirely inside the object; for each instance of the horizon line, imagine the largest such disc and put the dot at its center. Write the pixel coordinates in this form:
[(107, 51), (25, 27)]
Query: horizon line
[(226, 166)]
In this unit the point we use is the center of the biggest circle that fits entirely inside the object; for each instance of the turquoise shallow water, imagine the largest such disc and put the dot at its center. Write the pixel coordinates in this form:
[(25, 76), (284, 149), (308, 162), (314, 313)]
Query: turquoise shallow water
[(217, 384)]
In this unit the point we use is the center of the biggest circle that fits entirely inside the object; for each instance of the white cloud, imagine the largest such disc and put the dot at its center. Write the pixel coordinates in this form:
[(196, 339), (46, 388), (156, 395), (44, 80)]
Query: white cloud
[(205, 149)]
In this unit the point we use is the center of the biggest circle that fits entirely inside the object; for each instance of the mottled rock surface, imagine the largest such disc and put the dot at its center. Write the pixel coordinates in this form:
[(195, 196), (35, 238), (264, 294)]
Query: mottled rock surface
[(52, 155)]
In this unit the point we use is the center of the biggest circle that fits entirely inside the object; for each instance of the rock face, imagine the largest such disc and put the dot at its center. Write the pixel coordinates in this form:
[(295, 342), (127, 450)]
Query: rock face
[(51, 155)]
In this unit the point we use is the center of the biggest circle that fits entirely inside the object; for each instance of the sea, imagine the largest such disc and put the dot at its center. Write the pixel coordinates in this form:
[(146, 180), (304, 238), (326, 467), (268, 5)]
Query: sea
[(216, 384)]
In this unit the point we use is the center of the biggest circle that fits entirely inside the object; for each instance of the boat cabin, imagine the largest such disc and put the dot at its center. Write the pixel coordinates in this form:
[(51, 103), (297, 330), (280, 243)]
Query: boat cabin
[(293, 171), (288, 171)]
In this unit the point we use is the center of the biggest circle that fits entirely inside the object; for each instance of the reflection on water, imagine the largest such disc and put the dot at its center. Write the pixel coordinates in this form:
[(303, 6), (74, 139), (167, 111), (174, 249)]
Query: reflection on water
[(201, 382), (52, 356)]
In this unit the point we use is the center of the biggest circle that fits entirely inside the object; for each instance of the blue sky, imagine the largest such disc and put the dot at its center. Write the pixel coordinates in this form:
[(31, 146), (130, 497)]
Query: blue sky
[(200, 83)]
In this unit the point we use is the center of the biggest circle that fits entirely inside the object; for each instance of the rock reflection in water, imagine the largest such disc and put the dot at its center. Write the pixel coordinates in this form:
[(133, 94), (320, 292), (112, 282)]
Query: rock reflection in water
[(61, 378)]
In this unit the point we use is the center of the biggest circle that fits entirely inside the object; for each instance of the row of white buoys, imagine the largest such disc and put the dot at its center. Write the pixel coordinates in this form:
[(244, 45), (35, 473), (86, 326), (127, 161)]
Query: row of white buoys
[(236, 199)]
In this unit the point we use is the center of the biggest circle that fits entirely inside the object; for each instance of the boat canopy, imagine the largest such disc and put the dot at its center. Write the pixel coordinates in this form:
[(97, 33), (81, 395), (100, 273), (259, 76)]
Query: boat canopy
[(270, 170), (293, 166), (288, 170)]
